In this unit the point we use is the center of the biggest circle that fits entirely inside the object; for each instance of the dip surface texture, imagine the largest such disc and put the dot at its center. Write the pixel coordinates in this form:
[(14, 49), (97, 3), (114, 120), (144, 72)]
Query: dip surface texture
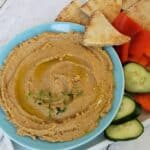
[(54, 88)]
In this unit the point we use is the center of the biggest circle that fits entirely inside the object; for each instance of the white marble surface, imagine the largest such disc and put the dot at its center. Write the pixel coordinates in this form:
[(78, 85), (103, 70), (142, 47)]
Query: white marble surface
[(5, 143), (19, 15)]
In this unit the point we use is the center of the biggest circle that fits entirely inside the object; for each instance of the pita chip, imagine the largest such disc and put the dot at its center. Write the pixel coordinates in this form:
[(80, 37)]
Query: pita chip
[(100, 33), (128, 3), (140, 12), (73, 13), (110, 8)]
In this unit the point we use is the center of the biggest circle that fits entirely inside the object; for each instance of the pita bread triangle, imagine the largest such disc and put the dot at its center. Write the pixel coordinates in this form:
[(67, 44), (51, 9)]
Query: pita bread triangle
[(73, 13), (110, 8), (101, 33), (140, 13)]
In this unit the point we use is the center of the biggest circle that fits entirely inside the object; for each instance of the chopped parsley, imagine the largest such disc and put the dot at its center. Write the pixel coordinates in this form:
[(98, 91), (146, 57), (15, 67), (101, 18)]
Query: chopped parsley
[(49, 112), (59, 110), (46, 97)]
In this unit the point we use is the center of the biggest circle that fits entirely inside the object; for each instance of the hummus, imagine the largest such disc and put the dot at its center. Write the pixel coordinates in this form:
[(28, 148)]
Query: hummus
[(55, 89)]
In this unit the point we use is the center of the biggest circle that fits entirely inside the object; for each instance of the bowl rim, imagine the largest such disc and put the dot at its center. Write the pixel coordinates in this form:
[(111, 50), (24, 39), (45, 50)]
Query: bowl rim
[(63, 27)]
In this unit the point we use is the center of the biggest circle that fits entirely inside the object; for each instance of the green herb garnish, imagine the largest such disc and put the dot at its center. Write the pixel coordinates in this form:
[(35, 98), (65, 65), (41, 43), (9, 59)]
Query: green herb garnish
[(41, 94), (70, 95), (59, 110), (39, 103), (79, 93), (29, 95), (46, 97), (49, 112)]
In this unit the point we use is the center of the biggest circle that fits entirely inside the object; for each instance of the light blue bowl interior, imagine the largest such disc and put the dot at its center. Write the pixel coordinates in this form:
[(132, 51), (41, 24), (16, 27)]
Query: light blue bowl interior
[(119, 88)]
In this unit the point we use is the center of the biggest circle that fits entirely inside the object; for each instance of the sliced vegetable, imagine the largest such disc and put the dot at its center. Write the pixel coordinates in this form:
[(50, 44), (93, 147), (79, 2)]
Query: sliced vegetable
[(140, 44), (128, 110), (133, 59), (144, 60), (148, 67), (147, 53), (137, 110), (143, 100), (129, 130), (137, 78), (123, 52), (126, 25)]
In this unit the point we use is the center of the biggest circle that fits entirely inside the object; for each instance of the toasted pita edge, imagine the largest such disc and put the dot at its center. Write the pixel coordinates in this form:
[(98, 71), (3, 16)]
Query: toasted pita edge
[(119, 2), (118, 39), (61, 16), (67, 14), (140, 13), (126, 4), (110, 9)]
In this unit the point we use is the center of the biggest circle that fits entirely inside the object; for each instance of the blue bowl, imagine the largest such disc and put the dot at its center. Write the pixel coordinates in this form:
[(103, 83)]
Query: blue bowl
[(119, 89)]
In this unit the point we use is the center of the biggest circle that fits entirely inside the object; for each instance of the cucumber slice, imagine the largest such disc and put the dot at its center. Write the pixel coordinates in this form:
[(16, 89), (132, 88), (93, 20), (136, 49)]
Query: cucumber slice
[(137, 78), (128, 110), (126, 131)]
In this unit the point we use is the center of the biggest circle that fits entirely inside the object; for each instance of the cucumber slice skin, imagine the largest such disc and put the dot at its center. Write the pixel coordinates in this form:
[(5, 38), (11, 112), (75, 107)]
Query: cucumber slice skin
[(138, 110), (125, 139), (130, 95), (137, 78), (135, 113)]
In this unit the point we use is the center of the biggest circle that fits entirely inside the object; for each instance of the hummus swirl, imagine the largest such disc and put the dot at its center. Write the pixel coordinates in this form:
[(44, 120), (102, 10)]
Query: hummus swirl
[(54, 88)]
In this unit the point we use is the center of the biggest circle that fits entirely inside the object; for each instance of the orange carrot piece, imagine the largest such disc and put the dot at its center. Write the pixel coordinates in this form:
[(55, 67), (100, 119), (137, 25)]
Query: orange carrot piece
[(144, 60), (144, 101)]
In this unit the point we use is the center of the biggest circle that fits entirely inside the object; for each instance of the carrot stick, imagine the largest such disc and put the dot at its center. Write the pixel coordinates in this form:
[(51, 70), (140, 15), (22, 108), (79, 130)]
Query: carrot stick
[(144, 101)]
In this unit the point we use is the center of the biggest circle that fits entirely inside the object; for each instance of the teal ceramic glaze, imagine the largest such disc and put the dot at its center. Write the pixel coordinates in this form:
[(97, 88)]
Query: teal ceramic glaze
[(119, 89)]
